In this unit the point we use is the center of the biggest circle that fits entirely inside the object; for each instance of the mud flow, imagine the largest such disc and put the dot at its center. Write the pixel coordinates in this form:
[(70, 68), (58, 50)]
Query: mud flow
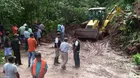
[(98, 60)]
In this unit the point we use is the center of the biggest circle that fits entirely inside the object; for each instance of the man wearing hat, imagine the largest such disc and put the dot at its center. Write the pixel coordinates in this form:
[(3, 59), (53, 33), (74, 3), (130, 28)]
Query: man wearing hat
[(64, 47), (15, 44), (57, 45), (10, 70)]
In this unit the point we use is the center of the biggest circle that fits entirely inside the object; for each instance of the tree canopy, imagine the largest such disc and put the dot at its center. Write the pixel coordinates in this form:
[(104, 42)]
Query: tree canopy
[(50, 12)]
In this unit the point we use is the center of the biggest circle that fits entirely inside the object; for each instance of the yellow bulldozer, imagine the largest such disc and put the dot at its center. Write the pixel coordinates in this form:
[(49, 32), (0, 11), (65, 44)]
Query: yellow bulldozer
[(97, 27)]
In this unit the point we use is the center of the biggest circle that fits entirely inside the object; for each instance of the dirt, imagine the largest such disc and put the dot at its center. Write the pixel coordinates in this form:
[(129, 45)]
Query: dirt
[(110, 64), (136, 7)]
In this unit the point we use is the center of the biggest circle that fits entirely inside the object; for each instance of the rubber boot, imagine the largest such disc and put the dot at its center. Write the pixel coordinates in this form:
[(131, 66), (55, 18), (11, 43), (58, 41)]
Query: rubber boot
[(57, 60)]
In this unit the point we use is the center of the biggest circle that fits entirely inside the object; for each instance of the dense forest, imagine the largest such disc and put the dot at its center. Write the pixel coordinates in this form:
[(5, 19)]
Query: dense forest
[(51, 12)]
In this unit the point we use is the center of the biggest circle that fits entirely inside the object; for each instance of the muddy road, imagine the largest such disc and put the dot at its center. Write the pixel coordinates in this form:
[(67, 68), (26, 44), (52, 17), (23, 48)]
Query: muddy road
[(98, 60)]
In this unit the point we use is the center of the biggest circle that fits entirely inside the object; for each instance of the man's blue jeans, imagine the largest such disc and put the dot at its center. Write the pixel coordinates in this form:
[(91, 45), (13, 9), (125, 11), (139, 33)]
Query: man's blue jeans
[(30, 55), (26, 44)]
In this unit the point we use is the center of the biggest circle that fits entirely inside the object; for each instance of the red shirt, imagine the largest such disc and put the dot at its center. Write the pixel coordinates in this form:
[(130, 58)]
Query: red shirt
[(15, 29)]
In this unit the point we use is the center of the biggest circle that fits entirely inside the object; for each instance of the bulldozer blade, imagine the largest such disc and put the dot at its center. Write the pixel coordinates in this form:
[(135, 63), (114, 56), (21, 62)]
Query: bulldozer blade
[(87, 33)]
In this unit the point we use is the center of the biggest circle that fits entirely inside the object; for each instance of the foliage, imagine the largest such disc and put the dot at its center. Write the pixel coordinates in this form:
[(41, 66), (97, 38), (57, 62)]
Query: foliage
[(46, 11), (136, 58), (1, 56)]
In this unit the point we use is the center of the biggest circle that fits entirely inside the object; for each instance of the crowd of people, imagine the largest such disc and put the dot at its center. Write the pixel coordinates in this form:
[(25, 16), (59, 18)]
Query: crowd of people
[(30, 38)]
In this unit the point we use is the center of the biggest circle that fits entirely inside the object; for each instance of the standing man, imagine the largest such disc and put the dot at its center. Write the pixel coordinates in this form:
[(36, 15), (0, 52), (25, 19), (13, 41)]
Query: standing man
[(38, 36), (7, 46), (58, 28), (64, 47), (57, 46), (30, 29), (15, 29), (21, 31), (35, 33), (39, 67), (32, 44), (62, 32), (26, 35), (36, 24), (15, 44), (10, 70), (76, 51), (42, 27)]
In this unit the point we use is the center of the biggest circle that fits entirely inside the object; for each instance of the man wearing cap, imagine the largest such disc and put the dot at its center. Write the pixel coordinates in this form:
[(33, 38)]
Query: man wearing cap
[(10, 70), (64, 47), (15, 44), (57, 46)]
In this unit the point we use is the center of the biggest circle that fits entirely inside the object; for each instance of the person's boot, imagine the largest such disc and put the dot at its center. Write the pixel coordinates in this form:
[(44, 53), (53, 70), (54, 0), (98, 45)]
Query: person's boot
[(57, 60), (29, 66)]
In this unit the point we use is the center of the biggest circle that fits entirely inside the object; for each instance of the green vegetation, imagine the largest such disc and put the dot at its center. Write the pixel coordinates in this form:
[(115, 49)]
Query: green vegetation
[(1, 56), (136, 59), (50, 12)]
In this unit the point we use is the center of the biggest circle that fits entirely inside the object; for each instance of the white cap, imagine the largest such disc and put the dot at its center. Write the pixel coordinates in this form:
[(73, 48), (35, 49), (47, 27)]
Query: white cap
[(25, 24)]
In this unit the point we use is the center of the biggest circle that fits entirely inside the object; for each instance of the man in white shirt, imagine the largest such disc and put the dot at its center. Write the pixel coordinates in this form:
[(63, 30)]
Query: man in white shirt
[(62, 32), (10, 69), (64, 47)]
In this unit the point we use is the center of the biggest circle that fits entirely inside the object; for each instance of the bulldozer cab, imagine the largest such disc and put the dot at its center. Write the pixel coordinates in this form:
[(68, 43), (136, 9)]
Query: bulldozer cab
[(96, 16), (97, 13)]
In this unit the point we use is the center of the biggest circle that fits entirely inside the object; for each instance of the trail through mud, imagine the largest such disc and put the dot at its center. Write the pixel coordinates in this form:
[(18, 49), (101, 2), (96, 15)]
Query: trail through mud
[(107, 65)]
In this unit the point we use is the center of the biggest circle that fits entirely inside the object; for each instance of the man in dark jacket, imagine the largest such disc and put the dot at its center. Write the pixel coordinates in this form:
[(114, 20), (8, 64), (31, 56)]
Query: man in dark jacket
[(76, 51), (15, 44), (57, 45)]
